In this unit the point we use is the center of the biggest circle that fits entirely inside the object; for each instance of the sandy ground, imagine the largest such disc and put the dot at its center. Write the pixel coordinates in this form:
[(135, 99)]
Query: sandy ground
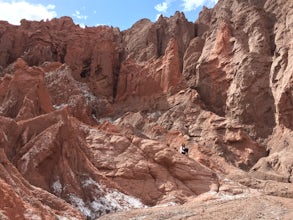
[(245, 207)]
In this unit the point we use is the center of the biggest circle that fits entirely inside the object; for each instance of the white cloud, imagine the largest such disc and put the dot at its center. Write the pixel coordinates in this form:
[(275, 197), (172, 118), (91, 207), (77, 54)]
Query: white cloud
[(78, 15), (14, 11), (162, 7), (51, 7), (82, 25), (189, 5)]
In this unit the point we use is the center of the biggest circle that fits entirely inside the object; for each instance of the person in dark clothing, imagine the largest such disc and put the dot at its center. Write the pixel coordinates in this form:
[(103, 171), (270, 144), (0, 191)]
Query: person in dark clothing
[(183, 149)]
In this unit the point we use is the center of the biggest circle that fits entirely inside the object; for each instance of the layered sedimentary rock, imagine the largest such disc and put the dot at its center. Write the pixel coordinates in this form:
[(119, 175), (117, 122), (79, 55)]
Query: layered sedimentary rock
[(92, 53), (91, 119), (48, 138)]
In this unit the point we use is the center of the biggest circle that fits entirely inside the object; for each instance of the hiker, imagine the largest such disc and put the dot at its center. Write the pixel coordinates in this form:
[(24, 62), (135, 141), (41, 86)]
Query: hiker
[(183, 149)]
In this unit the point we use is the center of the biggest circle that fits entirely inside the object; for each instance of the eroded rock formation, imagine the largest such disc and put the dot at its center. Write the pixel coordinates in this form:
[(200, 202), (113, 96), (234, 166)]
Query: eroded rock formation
[(91, 119)]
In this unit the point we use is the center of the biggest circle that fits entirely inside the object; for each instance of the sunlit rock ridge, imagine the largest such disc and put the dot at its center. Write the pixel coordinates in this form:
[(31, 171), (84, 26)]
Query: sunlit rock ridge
[(92, 118)]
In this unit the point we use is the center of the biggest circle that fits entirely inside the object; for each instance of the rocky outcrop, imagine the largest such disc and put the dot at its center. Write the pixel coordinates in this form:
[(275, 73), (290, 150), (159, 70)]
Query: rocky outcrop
[(146, 40), (156, 174), (278, 165), (162, 74), (93, 54), (234, 67), (24, 95), (53, 146), (243, 74), (91, 118), (20, 199), (49, 152)]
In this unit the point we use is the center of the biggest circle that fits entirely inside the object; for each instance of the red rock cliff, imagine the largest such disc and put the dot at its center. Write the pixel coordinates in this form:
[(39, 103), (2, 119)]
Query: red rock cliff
[(91, 119)]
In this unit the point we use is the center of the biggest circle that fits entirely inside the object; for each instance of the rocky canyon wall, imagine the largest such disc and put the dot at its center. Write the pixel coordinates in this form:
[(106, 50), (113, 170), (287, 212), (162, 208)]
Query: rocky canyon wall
[(91, 118)]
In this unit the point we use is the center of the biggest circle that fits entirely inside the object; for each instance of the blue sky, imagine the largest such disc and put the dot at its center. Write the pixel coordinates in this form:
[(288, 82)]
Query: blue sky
[(117, 13)]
